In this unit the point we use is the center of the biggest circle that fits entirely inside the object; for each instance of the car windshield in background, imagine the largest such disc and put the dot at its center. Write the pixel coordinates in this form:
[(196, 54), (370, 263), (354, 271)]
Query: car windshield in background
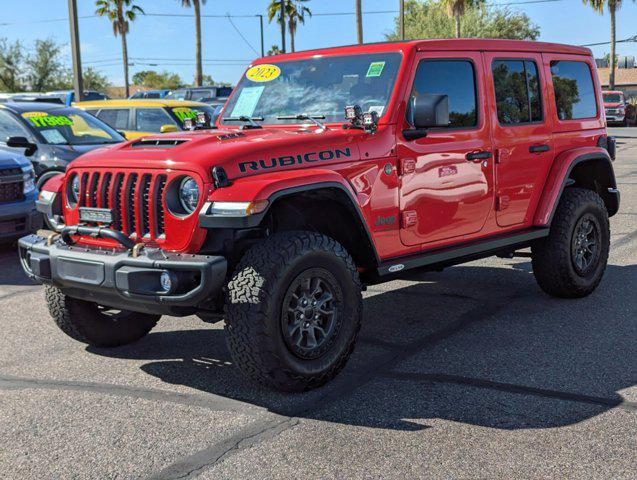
[(318, 86), (182, 113), (612, 98), (71, 127)]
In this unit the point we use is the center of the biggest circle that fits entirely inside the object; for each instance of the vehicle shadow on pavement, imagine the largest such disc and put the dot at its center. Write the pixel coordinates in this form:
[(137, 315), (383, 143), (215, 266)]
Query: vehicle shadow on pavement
[(10, 270), (477, 345)]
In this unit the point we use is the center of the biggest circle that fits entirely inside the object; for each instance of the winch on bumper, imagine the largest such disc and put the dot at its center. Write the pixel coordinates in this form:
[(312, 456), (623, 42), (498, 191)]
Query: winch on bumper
[(154, 281)]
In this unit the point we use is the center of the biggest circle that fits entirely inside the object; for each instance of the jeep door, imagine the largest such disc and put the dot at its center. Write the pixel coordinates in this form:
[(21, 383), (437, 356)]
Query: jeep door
[(446, 177), (522, 135)]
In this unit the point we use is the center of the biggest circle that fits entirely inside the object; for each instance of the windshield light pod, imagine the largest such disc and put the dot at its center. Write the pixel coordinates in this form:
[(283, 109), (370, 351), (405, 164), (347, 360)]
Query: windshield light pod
[(237, 209), (353, 112)]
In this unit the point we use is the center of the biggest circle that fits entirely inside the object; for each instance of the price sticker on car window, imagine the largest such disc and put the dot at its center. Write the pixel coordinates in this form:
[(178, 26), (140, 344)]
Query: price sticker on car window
[(43, 119), (182, 113), (263, 73)]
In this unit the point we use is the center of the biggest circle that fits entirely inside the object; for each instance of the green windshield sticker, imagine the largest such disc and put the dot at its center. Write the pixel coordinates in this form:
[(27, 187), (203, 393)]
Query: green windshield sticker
[(50, 121), (182, 113), (375, 69), (247, 101)]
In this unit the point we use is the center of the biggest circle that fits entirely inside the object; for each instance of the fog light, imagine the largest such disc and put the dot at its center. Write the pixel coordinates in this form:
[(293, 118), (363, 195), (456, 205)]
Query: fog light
[(166, 282)]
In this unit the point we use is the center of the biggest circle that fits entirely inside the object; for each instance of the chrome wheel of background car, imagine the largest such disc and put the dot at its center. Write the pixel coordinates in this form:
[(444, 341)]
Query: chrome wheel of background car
[(585, 244), (310, 320)]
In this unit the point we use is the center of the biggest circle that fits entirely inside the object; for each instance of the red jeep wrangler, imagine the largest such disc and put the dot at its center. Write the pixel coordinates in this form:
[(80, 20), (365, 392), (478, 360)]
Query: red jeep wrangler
[(327, 171)]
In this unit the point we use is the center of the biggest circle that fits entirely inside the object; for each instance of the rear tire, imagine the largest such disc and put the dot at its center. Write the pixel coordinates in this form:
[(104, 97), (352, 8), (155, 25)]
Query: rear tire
[(570, 262), (88, 323), (293, 308)]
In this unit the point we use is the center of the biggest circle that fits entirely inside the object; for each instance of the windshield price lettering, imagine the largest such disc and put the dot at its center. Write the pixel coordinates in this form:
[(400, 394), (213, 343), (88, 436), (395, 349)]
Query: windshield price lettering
[(51, 121)]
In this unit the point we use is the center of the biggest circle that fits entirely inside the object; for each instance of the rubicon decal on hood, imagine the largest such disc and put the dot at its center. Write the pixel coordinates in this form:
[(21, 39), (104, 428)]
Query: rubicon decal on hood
[(291, 160)]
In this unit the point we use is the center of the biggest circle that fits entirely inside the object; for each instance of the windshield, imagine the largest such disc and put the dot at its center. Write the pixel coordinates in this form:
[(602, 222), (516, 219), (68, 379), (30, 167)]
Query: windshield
[(71, 127), (318, 86), (612, 98), (182, 113)]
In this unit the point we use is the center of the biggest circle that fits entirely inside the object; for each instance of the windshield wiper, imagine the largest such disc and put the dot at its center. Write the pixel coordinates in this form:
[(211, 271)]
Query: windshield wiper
[(304, 116), (243, 118)]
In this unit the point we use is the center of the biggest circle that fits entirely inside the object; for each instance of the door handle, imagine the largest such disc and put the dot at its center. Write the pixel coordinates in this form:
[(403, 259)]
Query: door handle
[(539, 148), (478, 156)]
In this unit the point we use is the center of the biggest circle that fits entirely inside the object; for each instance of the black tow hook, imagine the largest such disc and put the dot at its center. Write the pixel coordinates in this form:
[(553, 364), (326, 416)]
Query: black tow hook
[(98, 232)]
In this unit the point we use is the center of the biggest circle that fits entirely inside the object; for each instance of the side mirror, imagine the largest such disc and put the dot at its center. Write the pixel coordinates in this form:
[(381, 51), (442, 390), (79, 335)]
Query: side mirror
[(22, 142), (428, 111), (431, 111), (168, 129)]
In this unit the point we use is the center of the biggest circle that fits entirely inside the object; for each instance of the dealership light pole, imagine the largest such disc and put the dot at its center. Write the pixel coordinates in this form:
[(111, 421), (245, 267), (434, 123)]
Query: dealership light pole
[(261, 27), (283, 25), (75, 51), (401, 17)]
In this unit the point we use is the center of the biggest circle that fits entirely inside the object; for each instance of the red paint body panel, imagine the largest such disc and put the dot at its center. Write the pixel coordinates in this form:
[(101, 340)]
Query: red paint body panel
[(54, 184), (427, 182)]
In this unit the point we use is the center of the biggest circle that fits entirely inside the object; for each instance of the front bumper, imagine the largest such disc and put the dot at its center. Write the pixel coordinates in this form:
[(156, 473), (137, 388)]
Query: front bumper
[(18, 219), (117, 279)]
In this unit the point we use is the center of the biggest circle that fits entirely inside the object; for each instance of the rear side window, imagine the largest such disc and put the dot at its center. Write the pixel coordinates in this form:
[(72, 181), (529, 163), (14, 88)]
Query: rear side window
[(517, 91), (454, 78), (574, 90), (114, 117), (152, 119)]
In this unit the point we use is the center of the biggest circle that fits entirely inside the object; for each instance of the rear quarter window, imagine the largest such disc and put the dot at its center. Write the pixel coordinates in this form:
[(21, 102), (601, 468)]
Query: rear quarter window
[(574, 90)]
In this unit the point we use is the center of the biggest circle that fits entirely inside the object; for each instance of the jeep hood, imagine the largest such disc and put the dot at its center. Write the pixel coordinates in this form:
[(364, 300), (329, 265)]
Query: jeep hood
[(239, 152)]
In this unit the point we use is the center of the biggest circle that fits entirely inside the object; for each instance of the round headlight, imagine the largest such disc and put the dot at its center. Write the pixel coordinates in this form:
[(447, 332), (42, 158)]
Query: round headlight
[(189, 194), (75, 188)]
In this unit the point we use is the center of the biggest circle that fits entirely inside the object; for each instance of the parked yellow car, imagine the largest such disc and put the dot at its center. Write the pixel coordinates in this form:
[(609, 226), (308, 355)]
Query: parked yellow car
[(138, 118)]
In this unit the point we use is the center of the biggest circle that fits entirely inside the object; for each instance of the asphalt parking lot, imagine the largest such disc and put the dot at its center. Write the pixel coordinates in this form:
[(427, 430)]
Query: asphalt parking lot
[(468, 373)]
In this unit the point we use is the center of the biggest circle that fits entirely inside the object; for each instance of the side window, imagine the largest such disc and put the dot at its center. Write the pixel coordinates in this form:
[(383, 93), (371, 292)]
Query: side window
[(114, 117), (454, 78), (199, 94), (517, 91), (152, 119), (9, 127), (574, 90)]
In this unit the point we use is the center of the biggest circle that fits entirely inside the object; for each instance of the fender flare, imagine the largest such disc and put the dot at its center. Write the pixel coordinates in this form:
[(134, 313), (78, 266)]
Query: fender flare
[(272, 187), (50, 180), (559, 179)]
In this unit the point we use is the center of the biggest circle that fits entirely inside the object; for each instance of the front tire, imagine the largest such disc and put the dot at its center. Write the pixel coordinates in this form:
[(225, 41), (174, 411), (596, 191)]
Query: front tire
[(89, 323), (294, 308), (570, 262)]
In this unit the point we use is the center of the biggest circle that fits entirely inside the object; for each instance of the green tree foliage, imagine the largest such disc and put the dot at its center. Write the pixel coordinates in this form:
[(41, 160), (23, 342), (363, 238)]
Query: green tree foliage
[(613, 6), (94, 80), (274, 50), (295, 12), (45, 70), (158, 80), (430, 19), (12, 58)]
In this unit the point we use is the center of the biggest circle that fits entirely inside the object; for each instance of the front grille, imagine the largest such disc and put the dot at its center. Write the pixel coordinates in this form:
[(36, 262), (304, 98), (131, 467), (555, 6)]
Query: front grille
[(136, 200), (11, 185)]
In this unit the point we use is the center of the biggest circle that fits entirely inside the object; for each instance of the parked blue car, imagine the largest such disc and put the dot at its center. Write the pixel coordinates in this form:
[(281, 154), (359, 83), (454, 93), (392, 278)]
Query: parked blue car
[(18, 216)]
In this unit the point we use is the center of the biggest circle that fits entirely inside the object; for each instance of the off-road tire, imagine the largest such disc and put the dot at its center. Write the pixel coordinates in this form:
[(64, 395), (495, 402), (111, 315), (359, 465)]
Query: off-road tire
[(255, 300), (552, 257), (84, 322)]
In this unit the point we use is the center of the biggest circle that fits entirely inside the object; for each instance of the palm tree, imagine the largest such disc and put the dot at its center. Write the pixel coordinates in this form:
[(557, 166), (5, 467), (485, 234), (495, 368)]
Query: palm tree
[(359, 22), (296, 15), (294, 11), (120, 13), (613, 6), (456, 8), (197, 5)]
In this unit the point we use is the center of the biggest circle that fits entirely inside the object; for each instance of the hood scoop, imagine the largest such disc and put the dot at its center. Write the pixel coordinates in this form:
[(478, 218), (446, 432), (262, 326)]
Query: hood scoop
[(157, 142)]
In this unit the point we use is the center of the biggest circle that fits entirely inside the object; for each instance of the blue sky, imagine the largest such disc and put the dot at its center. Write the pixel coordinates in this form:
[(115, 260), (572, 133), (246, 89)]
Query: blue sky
[(169, 40)]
